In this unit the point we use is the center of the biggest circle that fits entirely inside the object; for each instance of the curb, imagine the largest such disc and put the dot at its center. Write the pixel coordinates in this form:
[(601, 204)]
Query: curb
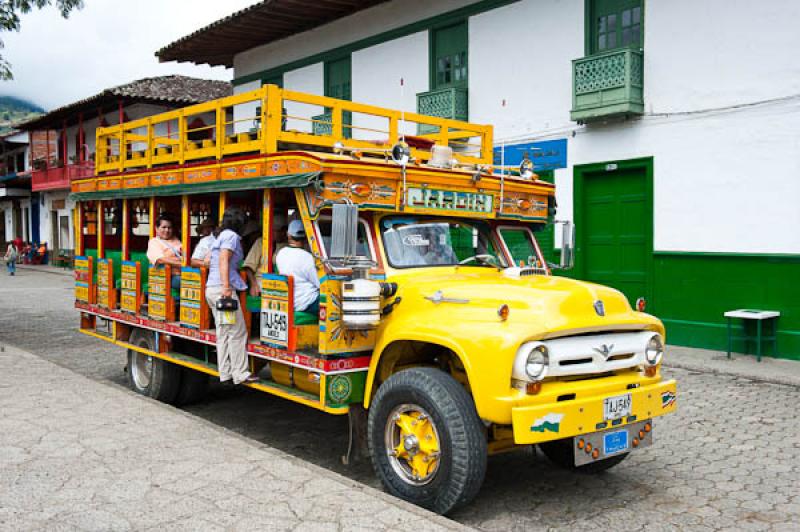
[(50, 269), (784, 380)]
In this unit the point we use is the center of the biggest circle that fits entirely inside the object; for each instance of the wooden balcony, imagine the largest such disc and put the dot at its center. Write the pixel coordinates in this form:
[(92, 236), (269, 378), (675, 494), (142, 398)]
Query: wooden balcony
[(607, 85), (60, 177)]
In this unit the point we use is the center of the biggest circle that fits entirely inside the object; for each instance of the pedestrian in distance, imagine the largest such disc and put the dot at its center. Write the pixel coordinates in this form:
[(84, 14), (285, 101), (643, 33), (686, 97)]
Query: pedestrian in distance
[(222, 286), (11, 259)]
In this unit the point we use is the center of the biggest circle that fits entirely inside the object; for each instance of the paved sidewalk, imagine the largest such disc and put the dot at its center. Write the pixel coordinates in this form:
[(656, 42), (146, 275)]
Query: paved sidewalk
[(774, 370), (76, 454), (46, 268)]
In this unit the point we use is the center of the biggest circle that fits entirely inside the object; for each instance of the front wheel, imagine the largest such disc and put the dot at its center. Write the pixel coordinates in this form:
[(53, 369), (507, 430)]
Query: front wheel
[(426, 441)]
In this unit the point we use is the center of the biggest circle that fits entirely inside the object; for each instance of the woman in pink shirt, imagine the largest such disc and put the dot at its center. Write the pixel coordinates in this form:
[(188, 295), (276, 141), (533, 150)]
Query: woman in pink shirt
[(166, 248)]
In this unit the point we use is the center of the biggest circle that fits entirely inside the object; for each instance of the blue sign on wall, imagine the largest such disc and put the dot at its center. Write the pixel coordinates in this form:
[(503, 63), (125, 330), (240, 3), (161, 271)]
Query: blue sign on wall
[(545, 154)]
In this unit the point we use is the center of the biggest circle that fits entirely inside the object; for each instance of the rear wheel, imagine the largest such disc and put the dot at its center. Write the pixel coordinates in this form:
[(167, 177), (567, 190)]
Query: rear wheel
[(426, 441), (194, 385), (562, 453), (151, 376)]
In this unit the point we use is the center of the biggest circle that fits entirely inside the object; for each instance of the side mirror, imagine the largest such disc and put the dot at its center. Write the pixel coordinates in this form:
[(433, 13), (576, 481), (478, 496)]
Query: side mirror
[(344, 231), (567, 245)]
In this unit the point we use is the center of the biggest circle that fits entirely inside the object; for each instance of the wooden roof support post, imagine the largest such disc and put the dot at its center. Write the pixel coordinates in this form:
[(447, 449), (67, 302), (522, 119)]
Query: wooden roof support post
[(81, 140), (186, 241), (266, 235), (152, 215), (78, 227), (101, 229), (223, 197), (272, 115), (64, 143), (126, 228)]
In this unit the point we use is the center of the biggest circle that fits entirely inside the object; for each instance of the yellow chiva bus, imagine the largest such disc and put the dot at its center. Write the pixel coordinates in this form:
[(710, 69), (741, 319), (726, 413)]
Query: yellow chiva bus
[(441, 331)]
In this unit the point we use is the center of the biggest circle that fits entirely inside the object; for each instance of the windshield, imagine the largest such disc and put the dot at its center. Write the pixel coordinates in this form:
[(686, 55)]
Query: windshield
[(412, 241)]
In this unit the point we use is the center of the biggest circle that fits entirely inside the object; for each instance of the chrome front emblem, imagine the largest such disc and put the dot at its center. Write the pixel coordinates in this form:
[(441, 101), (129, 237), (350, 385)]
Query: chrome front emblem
[(604, 350), (599, 309)]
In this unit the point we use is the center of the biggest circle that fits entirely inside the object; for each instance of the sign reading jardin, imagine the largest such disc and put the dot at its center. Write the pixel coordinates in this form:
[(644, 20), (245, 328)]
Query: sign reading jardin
[(449, 200)]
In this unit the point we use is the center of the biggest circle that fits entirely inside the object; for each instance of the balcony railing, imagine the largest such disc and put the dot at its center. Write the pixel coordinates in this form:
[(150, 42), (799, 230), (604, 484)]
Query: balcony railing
[(607, 84), (60, 177), (452, 103)]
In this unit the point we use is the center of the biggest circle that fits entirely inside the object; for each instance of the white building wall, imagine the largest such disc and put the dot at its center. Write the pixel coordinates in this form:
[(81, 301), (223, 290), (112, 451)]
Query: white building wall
[(721, 100), (376, 75), (310, 79), (241, 113), (361, 25)]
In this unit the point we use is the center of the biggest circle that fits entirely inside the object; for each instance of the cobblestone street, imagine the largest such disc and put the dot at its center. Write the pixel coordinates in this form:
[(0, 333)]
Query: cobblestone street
[(728, 459)]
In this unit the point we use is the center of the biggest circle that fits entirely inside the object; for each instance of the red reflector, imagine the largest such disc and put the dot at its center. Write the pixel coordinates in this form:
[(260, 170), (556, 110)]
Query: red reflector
[(641, 304)]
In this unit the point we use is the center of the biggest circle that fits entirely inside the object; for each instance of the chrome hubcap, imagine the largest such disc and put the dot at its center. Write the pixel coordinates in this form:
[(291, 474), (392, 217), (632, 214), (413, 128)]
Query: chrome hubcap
[(142, 370)]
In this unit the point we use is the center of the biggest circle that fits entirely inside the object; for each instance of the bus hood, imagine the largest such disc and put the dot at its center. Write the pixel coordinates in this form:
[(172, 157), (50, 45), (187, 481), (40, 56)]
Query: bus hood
[(550, 305)]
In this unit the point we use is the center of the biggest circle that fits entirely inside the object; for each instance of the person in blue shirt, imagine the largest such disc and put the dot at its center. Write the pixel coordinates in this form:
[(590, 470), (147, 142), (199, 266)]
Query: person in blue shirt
[(224, 281)]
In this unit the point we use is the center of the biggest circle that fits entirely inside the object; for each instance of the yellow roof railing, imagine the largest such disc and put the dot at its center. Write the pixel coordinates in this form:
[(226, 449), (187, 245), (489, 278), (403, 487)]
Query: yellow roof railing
[(271, 119)]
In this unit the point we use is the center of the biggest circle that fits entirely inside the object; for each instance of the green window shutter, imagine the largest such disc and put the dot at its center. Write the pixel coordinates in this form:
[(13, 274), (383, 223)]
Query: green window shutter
[(449, 56), (613, 24), (545, 236), (273, 80), (338, 84)]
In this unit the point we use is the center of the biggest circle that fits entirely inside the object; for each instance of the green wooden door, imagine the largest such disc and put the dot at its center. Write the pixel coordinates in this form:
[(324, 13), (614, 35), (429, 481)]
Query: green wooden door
[(616, 234), (614, 24), (338, 79), (449, 57)]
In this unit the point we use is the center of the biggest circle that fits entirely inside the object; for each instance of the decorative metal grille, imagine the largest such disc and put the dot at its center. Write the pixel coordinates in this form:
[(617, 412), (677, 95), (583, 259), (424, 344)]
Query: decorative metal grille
[(607, 84), (323, 124), (443, 103)]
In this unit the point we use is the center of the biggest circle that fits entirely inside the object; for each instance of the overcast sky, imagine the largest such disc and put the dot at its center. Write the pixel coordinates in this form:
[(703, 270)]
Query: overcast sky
[(107, 43)]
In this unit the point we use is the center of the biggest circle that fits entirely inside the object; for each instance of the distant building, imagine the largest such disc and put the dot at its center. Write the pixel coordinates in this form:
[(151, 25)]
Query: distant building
[(15, 187), (64, 143), (674, 124)]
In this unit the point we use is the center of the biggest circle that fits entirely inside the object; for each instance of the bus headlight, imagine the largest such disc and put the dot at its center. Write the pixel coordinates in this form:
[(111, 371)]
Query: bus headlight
[(654, 350), (536, 363)]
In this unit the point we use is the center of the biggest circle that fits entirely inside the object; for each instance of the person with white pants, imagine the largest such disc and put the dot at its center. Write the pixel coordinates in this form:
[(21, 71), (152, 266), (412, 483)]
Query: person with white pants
[(224, 281)]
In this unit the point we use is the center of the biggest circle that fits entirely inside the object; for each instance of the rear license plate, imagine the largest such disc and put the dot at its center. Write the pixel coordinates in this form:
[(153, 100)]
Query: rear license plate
[(615, 442), (617, 406)]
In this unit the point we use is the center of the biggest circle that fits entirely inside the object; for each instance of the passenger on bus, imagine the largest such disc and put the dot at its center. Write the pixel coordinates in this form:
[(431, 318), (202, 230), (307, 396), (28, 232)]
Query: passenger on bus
[(223, 282), (166, 248), (294, 260), (201, 256), (254, 262)]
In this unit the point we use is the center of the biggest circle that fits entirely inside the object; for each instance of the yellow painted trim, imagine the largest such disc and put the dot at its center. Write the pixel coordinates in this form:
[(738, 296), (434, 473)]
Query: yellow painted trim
[(126, 253), (198, 367), (101, 229), (223, 198), (185, 228), (152, 215)]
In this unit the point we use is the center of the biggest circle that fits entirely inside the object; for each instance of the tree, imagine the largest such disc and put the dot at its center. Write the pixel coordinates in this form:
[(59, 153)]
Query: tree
[(9, 20)]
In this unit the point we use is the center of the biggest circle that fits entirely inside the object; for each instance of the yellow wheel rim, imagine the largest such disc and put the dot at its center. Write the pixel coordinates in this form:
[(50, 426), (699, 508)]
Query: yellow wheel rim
[(412, 444)]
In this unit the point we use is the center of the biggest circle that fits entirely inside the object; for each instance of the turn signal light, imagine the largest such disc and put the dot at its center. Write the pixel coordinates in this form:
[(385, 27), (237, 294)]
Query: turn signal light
[(647, 427), (581, 444), (636, 442), (503, 312), (532, 388), (588, 447), (641, 304), (595, 454), (641, 434), (650, 371)]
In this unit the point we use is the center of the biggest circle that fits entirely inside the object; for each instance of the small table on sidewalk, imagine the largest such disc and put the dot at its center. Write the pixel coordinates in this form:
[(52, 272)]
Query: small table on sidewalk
[(759, 316)]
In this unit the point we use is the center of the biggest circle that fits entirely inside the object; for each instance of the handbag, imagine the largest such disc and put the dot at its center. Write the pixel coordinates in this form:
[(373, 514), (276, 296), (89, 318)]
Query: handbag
[(227, 304)]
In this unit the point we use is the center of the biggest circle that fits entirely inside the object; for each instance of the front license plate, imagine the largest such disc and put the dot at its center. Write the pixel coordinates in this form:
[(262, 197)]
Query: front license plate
[(617, 406), (615, 442)]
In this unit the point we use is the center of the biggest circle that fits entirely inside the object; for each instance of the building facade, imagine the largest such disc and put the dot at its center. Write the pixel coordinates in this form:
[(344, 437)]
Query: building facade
[(63, 142), (15, 187), (679, 120)]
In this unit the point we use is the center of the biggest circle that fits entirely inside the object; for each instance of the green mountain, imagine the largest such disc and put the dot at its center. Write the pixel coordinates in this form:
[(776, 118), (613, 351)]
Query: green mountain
[(15, 110)]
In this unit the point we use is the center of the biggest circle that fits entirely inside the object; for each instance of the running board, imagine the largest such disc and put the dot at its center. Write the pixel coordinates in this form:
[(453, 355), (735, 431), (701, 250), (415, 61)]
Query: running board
[(271, 387)]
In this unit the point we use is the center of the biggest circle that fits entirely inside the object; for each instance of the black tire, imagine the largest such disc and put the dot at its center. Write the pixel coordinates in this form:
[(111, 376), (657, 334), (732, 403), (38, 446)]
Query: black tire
[(461, 465), (151, 376), (562, 454), (194, 385)]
